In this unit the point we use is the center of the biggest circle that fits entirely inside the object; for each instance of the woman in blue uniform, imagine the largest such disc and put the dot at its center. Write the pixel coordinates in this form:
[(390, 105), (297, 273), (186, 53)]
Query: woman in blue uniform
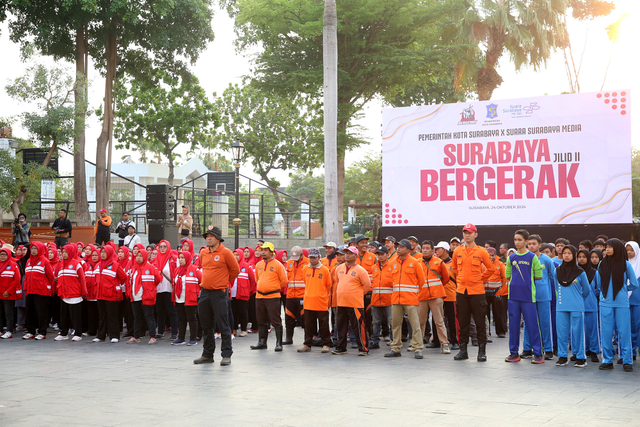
[(633, 252), (615, 278), (591, 329), (572, 288)]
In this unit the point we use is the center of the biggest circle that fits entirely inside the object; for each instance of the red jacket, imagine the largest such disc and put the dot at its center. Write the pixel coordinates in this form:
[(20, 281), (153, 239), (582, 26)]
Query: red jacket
[(143, 276), (71, 279), (246, 280), (109, 277), (10, 278), (38, 275), (187, 279)]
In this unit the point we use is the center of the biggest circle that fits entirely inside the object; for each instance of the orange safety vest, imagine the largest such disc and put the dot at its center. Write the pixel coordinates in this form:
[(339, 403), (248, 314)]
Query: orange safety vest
[(497, 279), (451, 286), (382, 289), (408, 276), (435, 273), (295, 275)]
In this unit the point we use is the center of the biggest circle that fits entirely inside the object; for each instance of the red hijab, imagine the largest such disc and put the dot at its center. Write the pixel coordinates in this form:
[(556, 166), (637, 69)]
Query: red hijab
[(89, 259), (111, 258), (256, 258), (43, 254), (243, 262), (72, 251), (181, 271), (191, 249), (10, 262), (162, 258), (127, 259), (19, 248), (56, 258), (140, 269)]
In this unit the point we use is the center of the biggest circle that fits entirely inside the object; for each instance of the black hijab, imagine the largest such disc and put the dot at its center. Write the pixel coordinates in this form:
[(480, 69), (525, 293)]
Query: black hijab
[(588, 267), (567, 272), (612, 268), (22, 262), (600, 256)]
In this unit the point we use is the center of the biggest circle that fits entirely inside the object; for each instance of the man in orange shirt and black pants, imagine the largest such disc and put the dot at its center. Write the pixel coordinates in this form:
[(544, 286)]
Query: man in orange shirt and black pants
[(295, 267), (271, 276), (353, 284), (317, 279), (467, 266), (491, 289), (219, 267), (367, 260)]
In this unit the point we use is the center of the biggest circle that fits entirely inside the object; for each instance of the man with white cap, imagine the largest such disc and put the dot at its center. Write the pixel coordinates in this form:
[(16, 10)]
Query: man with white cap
[(330, 261), (295, 267), (442, 252), (316, 302)]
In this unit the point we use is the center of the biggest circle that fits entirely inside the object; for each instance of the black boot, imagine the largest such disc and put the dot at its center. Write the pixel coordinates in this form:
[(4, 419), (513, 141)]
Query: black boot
[(482, 353), (289, 339), (262, 339), (278, 338), (462, 354)]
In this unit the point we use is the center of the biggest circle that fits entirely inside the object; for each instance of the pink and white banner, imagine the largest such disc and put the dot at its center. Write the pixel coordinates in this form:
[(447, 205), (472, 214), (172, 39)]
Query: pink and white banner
[(562, 159)]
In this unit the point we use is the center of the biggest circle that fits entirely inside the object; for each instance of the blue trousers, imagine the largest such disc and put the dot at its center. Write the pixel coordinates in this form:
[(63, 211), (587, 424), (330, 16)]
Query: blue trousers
[(592, 332), (544, 322), (528, 311), (620, 316), (554, 329), (635, 328), (570, 326)]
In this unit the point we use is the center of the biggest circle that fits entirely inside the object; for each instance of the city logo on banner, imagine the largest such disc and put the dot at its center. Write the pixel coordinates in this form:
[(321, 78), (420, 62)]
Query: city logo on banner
[(468, 116), (492, 111)]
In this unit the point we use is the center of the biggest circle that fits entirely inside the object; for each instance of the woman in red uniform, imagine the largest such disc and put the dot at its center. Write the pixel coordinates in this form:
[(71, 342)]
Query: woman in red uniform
[(38, 283), (10, 289), (109, 279), (92, 261), (186, 289), (71, 288), (141, 288)]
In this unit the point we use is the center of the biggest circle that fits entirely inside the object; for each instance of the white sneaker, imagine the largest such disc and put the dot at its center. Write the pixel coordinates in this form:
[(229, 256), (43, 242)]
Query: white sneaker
[(7, 335), (55, 326), (27, 336), (84, 334), (114, 340), (76, 338), (446, 349), (61, 338), (233, 337), (97, 340), (217, 336), (41, 337)]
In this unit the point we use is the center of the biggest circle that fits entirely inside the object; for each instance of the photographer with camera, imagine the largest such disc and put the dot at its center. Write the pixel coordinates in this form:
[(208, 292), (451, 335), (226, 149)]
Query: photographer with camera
[(123, 228), (62, 228), (20, 230)]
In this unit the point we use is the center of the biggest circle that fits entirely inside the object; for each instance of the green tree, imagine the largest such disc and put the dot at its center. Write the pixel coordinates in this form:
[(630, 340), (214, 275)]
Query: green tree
[(160, 115), (363, 181), (50, 91), (382, 46), (279, 133), (216, 161), (529, 30), (306, 186)]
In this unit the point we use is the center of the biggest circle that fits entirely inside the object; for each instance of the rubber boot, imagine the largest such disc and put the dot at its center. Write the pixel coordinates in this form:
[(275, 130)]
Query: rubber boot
[(462, 354), (482, 353), (278, 338), (262, 339), (289, 339)]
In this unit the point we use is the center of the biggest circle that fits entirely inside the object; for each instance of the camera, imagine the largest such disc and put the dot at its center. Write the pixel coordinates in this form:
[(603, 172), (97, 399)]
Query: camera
[(16, 221)]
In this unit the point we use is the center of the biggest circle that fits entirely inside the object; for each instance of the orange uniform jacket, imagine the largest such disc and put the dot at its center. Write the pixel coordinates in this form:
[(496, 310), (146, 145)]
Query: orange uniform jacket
[(382, 289), (393, 257), (317, 288), (353, 284), (334, 286), (408, 277), (497, 279), (295, 276), (467, 264), (330, 263), (270, 278), (219, 267), (450, 286), (368, 262), (433, 286)]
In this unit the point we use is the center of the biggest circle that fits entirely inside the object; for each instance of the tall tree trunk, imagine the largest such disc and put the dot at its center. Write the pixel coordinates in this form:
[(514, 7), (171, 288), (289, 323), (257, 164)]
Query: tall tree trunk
[(81, 104), (332, 198), (171, 166), (342, 130), (50, 154), (102, 194)]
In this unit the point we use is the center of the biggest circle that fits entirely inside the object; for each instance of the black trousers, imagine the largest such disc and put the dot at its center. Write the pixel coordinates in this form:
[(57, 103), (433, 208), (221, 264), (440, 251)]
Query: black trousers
[(37, 314), (293, 313), (311, 320), (354, 317), (61, 241), (468, 305), (108, 319), (54, 309), (268, 311), (91, 308), (240, 314), (128, 315), (253, 318), (368, 319), (495, 305), (6, 308), (213, 308), (165, 307), (187, 314), (140, 314), (451, 321), (102, 238), (70, 318)]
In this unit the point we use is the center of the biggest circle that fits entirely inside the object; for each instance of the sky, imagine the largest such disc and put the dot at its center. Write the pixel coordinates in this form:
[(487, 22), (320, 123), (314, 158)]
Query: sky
[(219, 65)]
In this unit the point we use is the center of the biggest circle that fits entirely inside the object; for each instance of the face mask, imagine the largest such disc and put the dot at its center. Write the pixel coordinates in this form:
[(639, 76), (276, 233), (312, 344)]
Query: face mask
[(21, 219)]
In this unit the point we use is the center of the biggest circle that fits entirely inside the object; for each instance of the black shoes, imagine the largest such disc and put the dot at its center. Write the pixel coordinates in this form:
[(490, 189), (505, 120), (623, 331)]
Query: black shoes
[(393, 354), (573, 358), (201, 360), (606, 366), (526, 354), (482, 353), (262, 339), (627, 368), (580, 363), (562, 361), (431, 345), (278, 338), (474, 342), (374, 346), (226, 361), (594, 358), (462, 354), (548, 355), (500, 335)]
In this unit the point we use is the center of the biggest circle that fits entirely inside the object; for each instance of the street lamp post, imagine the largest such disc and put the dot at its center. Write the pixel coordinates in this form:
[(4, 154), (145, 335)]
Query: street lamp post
[(237, 150)]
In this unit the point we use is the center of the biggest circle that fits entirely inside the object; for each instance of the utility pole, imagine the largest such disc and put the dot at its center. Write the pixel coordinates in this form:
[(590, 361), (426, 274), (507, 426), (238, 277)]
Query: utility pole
[(332, 229)]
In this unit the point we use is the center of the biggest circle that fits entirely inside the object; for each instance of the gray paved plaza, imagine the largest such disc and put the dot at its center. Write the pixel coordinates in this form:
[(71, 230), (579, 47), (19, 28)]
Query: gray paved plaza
[(103, 384)]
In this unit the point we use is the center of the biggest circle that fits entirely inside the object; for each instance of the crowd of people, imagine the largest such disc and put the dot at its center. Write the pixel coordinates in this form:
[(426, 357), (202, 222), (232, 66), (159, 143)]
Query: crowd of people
[(581, 301)]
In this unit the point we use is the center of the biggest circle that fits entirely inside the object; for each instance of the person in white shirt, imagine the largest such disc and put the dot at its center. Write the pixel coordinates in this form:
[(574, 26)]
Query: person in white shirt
[(132, 239)]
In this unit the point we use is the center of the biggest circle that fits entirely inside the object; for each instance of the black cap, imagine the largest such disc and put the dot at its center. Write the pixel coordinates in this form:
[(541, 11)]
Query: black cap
[(405, 243), (390, 238), (214, 231), (360, 238), (414, 238), (382, 250), (374, 244), (340, 252)]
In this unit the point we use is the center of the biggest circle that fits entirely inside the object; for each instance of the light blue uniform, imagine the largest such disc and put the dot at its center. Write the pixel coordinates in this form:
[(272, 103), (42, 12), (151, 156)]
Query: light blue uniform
[(570, 316), (614, 310), (544, 290), (591, 329)]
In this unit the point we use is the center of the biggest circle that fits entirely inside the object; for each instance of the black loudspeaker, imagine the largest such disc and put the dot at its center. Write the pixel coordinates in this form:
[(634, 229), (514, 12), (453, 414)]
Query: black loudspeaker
[(159, 189), (163, 230), (160, 206), (161, 197), (160, 214)]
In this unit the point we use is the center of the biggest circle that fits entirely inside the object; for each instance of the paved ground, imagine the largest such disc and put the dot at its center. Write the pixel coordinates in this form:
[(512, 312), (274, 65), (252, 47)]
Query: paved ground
[(66, 383)]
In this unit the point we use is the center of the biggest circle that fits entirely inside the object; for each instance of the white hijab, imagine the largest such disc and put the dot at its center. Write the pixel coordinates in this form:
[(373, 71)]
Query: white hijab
[(635, 261)]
